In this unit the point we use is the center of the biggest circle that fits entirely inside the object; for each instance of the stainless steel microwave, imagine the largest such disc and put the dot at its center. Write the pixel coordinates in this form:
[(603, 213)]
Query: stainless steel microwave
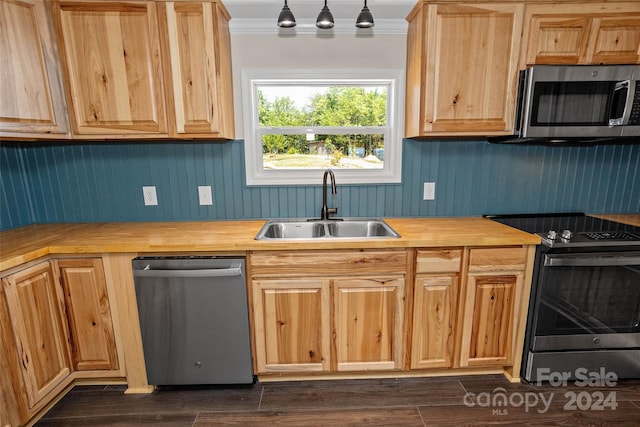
[(558, 103)]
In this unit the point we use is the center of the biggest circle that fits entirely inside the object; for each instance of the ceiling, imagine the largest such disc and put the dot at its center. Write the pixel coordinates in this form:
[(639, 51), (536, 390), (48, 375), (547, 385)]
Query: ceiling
[(261, 15)]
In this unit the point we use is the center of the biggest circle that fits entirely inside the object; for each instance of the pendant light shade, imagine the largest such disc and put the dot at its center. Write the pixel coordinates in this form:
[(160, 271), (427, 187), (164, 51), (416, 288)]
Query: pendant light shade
[(365, 19), (325, 18), (286, 18)]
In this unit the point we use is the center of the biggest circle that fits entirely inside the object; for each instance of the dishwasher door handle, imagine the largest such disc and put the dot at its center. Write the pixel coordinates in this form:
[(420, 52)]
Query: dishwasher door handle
[(209, 272)]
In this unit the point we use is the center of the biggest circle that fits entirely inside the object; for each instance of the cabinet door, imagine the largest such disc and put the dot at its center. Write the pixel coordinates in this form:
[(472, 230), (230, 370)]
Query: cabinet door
[(615, 40), (558, 39), (30, 83), (605, 33), (92, 340), (291, 325), (199, 65), (468, 69), (434, 313), (35, 307), (488, 332), (111, 54), (368, 323)]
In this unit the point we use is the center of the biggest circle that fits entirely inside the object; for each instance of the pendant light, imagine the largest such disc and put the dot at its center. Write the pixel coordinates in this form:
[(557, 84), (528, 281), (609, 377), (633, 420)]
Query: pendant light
[(325, 18), (365, 19), (286, 18)]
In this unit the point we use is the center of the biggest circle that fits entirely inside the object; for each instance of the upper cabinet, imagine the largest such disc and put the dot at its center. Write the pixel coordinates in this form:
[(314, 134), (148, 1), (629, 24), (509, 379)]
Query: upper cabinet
[(146, 69), (33, 104), (462, 65), (200, 92), (607, 33), (111, 55), (463, 58)]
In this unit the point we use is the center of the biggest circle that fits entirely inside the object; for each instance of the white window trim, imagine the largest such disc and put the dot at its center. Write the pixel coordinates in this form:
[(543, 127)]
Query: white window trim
[(392, 171)]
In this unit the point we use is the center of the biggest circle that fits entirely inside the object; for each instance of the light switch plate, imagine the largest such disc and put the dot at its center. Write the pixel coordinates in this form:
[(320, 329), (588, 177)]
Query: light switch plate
[(429, 192), (204, 194), (150, 196)]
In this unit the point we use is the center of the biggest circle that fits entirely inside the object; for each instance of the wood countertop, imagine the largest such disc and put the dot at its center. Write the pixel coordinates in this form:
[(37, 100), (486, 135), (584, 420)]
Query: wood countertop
[(27, 243)]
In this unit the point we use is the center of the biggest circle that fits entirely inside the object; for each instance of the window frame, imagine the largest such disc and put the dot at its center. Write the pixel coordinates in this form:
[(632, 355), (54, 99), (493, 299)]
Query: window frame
[(391, 172)]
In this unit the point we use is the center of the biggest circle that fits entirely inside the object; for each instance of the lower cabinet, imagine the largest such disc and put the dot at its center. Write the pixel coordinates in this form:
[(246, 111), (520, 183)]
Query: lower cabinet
[(292, 325), (36, 307), (350, 311), (55, 326), (328, 311), (88, 314), (435, 297), (368, 316), (492, 306)]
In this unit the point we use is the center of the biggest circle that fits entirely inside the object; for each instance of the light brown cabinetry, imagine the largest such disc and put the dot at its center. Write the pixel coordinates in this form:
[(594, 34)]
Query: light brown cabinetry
[(462, 67), (111, 54), (327, 311), (369, 320), (592, 33), (142, 69), (56, 326), (35, 307), (291, 324), (33, 103), (435, 305), (492, 305), (198, 63), (88, 314)]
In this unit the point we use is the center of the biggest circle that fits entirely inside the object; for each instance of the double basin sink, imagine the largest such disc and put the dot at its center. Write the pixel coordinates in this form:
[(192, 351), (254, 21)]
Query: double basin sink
[(344, 228)]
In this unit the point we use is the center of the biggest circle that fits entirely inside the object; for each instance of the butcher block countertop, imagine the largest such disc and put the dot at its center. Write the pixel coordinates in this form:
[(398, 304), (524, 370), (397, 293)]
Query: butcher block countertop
[(27, 243)]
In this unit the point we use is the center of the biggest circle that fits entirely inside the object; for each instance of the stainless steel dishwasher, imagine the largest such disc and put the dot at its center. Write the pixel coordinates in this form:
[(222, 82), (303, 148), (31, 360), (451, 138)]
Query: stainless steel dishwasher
[(194, 319)]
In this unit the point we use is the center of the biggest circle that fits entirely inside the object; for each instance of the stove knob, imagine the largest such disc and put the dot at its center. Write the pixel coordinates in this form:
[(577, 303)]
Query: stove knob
[(552, 235), (567, 234)]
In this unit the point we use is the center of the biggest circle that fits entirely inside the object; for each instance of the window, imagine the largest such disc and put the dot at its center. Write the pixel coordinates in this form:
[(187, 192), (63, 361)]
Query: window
[(299, 123)]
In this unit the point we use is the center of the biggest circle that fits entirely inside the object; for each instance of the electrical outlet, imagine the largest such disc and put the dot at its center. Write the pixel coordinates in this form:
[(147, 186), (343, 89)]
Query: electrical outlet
[(204, 194), (429, 192), (150, 197)]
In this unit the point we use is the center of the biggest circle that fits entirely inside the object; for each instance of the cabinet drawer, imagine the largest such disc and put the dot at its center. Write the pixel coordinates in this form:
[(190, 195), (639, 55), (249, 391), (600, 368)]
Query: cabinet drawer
[(497, 259), (438, 260), (327, 263)]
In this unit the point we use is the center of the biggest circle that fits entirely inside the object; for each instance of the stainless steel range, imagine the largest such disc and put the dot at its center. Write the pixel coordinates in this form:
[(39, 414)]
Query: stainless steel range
[(584, 311)]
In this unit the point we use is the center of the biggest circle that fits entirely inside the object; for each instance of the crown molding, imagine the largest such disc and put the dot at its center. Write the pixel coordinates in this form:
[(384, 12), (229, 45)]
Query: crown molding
[(239, 26)]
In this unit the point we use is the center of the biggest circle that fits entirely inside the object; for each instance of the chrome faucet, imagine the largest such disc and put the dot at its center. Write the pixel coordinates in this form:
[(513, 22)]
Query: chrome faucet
[(325, 212)]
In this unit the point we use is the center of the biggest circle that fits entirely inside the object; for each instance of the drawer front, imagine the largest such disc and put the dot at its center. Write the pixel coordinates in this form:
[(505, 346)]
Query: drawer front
[(438, 260), (327, 263), (497, 259)]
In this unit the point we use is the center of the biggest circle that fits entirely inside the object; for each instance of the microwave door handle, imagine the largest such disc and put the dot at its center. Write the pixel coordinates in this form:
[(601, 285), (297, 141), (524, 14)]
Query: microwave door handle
[(622, 98)]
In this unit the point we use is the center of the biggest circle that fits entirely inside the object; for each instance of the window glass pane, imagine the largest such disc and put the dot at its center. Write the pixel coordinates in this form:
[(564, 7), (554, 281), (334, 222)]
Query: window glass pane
[(304, 105), (311, 151)]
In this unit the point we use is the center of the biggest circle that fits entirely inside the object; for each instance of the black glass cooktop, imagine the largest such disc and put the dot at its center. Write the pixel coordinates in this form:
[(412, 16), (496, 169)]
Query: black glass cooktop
[(574, 228)]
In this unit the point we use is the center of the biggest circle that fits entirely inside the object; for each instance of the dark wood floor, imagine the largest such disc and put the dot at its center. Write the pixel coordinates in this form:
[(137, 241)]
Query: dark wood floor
[(403, 402)]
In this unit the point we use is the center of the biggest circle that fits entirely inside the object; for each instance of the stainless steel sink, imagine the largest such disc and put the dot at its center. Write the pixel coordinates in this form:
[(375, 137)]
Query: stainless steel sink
[(348, 228)]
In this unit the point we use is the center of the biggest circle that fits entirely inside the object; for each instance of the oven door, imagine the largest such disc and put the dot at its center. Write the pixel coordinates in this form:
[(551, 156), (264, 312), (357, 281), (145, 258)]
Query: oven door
[(587, 301)]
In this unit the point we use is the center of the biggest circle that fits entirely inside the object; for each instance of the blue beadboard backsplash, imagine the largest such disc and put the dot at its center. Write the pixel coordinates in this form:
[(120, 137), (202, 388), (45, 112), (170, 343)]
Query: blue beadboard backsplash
[(102, 181)]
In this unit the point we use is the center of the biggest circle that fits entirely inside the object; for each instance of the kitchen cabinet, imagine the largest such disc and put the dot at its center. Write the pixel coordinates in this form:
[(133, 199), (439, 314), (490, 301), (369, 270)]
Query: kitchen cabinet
[(146, 69), (462, 68), (292, 321), (111, 55), (591, 33), (88, 314), (36, 308), (33, 103), (435, 305), (198, 63), (328, 311), (369, 320), (492, 306)]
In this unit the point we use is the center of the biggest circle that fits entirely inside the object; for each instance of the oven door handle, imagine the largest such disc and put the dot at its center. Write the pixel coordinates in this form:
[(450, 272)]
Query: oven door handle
[(587, 261)]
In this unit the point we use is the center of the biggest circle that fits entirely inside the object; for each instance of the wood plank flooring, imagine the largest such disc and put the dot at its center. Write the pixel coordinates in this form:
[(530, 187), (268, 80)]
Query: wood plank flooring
[(450, 401)]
